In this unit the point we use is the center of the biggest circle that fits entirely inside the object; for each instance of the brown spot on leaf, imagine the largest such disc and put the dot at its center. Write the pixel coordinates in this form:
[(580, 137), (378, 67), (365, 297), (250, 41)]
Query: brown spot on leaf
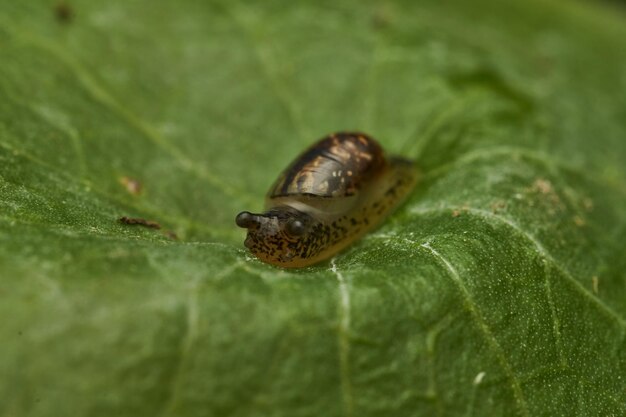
[(547, 195), (497, 206), (381, 18), (63, 12), (132, 185), (542, 186)]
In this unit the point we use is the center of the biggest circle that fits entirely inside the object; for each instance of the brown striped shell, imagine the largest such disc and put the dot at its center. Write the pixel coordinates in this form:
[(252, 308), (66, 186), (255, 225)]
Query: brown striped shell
[(332, 194), (336, 166)]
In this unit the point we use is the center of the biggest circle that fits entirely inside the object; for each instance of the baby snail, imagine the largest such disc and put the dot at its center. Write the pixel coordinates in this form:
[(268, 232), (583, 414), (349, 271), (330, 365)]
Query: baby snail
[(331, 195)]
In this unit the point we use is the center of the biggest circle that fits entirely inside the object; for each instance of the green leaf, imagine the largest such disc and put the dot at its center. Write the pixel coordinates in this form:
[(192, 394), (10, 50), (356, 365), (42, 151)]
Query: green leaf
[(498, 289)]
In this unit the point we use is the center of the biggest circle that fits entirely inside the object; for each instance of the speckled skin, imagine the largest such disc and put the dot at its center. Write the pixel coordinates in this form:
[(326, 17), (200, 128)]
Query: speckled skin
[(337, 190)]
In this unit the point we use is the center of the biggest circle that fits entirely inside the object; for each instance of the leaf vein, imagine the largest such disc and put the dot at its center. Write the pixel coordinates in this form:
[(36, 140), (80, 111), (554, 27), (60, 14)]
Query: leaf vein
[(484, 328), (267, 64), (102, 96), (556, 323), (344, 340), (541, 250), (188, 340)]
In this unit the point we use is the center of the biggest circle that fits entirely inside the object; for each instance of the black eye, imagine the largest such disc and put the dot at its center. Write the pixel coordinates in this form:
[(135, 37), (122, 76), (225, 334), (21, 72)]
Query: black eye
[(247, 220), (295, 228)]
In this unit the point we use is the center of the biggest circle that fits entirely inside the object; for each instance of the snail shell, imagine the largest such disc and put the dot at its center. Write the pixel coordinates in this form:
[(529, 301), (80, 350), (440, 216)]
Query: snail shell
[(331, 195)]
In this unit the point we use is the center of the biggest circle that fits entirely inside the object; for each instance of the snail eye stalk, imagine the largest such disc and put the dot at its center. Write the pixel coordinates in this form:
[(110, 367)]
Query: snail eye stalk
[(246, 219)]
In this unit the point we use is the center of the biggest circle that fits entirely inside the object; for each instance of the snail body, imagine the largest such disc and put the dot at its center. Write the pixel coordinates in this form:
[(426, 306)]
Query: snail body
[(332, 194)]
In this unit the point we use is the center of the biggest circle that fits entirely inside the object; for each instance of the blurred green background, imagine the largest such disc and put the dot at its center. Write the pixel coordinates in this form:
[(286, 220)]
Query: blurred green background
[(498, 289)]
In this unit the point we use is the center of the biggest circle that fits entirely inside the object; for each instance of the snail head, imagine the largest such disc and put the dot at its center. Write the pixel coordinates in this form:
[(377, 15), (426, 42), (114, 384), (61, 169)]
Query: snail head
[(279, 233)]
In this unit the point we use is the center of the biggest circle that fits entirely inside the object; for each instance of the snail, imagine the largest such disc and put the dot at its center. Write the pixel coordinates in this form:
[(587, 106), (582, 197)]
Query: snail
[(331, 195)]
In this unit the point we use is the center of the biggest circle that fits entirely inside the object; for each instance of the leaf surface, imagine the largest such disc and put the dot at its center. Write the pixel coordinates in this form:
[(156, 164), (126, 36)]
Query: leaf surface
[(497, 289)]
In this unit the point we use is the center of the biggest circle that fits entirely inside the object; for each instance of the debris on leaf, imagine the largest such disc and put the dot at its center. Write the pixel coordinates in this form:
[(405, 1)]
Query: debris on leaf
[(479, 378), (139, 222)]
